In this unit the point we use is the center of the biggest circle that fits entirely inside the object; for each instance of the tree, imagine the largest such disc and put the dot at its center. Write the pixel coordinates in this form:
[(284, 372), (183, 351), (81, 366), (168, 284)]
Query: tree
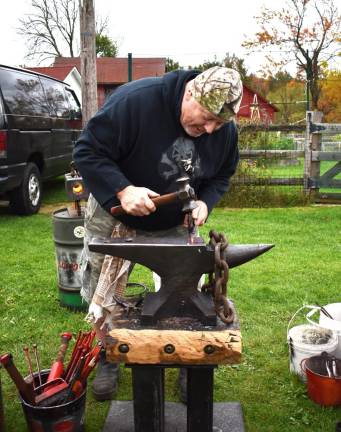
[(258, 84), (105, 47), (208, 64), (287, 94), (52, 30), (330, 100), (171, 65), (237, 63), (229, 61), (304, 31)]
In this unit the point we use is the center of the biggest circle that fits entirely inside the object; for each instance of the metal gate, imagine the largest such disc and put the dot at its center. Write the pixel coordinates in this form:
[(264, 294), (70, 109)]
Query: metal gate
[(313, 179)]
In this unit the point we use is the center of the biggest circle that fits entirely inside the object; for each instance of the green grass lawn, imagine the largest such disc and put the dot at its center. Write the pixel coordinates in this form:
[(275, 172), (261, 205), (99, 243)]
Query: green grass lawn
[(273, 168), (304, 267), (297, 170)]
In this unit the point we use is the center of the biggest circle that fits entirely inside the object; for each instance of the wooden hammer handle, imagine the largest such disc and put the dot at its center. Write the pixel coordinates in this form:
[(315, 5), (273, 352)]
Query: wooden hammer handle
[(24, 388), (158, 201)]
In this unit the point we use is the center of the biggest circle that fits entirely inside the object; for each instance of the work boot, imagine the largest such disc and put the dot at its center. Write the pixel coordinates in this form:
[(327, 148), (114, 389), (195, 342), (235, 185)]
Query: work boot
[(104, 385), (183, 384)]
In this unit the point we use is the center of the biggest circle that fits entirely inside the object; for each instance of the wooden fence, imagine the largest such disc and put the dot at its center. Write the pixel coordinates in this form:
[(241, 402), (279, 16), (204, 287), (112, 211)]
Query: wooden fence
[(311, 179)]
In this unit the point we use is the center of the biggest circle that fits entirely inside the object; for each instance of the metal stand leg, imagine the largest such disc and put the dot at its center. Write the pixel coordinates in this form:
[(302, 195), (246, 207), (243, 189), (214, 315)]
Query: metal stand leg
[(200, 399), (149, 398)]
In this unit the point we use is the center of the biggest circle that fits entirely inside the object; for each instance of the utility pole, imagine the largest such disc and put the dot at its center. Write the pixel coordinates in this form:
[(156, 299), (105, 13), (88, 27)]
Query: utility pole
[(88, 59)]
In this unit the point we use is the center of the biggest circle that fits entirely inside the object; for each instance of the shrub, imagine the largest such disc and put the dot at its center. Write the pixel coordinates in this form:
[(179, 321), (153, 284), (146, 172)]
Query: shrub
[(265, 141), (262, 194)]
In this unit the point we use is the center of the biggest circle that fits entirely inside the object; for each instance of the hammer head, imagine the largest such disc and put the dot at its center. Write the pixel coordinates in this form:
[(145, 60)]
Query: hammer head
[(186, 194)]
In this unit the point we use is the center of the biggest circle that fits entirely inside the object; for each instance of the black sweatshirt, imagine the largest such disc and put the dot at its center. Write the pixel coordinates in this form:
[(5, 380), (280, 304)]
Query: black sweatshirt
[(136, 139)]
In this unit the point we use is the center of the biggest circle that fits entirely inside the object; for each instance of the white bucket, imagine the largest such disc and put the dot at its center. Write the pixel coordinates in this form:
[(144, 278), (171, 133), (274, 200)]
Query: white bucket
[(334, 309), (301, 345), (308, 340)]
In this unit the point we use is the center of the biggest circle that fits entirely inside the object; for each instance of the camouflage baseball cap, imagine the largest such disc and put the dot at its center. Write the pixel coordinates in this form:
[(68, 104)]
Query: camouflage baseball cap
[(219, 90)]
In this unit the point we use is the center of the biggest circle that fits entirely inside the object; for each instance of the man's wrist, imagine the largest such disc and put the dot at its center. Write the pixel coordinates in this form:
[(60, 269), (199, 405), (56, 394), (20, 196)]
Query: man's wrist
[(120, 193)]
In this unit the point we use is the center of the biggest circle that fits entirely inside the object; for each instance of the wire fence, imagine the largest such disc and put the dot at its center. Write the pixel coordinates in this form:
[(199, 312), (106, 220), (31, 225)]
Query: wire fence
[(278, 166)]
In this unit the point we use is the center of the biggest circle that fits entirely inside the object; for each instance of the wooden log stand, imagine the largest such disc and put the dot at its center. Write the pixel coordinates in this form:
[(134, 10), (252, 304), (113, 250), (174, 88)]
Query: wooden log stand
[(176, 343)]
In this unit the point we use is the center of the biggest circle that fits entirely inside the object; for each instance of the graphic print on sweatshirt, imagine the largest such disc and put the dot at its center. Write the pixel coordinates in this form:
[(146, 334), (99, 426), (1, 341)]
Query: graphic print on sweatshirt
[(180, 159)]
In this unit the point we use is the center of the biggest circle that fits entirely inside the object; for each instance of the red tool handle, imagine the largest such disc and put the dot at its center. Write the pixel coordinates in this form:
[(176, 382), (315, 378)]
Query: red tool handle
[(158, 201), (90, 365), (64, 343), (24, 388), (53, 393), (75, 385), (57, 367), (77, 388)]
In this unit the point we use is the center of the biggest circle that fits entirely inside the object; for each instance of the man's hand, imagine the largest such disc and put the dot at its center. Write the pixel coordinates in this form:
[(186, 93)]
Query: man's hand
[(199, 214), (137, 201)]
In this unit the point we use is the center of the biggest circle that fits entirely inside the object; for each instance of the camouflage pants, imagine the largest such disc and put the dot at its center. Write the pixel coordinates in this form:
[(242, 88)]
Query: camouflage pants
[(102, 275)]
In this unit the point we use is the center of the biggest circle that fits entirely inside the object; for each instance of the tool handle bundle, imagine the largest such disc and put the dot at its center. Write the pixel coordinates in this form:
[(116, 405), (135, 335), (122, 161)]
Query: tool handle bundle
[(62, 384)]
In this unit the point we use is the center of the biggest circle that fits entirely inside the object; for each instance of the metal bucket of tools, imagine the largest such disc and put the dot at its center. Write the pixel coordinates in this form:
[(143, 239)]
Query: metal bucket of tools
[(66, 417), (323, 379), (68, 232)]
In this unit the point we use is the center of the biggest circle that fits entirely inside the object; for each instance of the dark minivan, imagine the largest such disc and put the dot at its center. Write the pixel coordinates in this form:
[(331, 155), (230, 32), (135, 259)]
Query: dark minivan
[(40, 120)]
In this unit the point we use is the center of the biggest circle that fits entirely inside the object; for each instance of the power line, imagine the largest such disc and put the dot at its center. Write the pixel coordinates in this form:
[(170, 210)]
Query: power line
[(209, 53)]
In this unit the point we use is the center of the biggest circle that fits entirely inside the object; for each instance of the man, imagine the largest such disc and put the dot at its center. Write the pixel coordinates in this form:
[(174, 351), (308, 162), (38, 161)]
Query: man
[(149, 133)]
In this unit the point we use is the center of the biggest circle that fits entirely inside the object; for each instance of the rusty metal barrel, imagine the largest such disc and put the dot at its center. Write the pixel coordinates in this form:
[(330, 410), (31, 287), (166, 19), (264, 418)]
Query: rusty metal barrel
[(68, 233)]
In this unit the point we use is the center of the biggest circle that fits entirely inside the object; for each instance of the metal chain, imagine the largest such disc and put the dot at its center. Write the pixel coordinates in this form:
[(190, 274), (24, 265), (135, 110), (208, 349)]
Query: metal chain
[(217, 285)]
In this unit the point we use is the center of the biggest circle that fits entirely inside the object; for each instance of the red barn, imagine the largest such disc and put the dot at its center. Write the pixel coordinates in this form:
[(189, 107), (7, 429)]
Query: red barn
[(255, 107)]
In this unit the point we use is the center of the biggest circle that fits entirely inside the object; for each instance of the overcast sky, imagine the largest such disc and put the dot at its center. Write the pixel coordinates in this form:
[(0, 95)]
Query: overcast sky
[(188, 31)]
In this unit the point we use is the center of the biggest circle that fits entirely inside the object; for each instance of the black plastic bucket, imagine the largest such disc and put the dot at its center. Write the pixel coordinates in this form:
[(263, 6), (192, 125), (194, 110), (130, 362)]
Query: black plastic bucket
[(68, 417), (68, 234)]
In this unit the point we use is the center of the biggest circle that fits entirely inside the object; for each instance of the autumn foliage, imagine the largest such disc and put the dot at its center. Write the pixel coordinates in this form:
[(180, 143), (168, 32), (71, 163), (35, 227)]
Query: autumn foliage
[(306, 32), (330, 100)]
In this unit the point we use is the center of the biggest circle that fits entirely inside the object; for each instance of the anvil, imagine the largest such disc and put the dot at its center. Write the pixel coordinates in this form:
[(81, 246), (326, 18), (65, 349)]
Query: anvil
[(180, 265)]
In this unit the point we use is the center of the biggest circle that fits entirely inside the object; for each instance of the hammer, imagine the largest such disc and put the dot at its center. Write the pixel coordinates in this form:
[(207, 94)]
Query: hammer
[(185, 193)]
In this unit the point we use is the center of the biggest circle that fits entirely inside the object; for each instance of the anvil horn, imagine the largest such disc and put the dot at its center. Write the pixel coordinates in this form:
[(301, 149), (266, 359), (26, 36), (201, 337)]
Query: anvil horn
[(236, 255)]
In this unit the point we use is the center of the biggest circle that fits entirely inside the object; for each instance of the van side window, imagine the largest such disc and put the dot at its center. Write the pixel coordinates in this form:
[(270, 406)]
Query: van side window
[(56, 98), (74, 104), (23, 93)]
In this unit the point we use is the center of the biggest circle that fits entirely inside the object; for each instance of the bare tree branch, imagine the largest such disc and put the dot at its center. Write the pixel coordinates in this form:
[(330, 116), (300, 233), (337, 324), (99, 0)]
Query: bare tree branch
[(51, 29)]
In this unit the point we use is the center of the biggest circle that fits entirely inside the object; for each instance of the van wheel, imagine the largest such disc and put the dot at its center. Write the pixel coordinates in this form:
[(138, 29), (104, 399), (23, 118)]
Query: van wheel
[(26, 199)]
